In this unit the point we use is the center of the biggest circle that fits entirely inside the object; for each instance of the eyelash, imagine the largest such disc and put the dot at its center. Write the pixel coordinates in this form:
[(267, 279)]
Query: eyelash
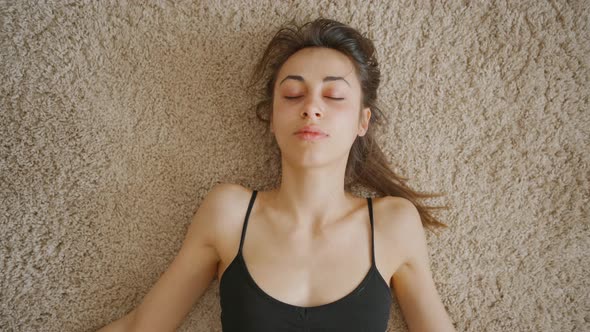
[(291, 98)]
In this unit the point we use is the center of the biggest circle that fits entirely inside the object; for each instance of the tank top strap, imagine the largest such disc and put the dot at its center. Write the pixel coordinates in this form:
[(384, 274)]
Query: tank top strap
[(250, 205), (370, 204)]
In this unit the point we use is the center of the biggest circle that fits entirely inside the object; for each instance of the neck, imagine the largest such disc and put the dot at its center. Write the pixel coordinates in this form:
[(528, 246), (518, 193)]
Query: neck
[(312, 196)]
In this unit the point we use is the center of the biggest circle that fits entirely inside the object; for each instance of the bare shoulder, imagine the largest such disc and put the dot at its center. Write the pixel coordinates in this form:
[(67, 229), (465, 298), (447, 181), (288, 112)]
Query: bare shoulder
[(412, 279), (224, 206), (398, 213), (195, 265), (226, 200), (400, 225), (224, 195)]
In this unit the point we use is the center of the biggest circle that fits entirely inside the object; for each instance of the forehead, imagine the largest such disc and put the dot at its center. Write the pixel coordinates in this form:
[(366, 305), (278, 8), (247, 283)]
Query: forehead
[(315, 63)]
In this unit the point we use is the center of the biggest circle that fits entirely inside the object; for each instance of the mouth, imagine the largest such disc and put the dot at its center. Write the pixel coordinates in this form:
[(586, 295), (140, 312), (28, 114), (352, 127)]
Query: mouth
[(310, 136), (311, 130)]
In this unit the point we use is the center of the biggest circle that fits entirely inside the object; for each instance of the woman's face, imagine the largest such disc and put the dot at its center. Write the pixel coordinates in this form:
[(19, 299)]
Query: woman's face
[(317, 87)]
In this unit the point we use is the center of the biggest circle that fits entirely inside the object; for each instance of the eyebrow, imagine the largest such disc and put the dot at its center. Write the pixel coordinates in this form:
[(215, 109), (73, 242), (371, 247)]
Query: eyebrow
[(326, 79)]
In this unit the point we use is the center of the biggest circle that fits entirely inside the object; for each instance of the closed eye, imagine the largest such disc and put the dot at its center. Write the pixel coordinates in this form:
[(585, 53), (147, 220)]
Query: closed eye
[(291, 98)]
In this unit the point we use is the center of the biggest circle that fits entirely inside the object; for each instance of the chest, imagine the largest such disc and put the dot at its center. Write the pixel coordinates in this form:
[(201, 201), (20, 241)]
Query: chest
[(310, 268)]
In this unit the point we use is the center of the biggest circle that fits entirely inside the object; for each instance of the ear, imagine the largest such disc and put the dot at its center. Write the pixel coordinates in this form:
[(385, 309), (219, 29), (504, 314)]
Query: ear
[(364, 121)]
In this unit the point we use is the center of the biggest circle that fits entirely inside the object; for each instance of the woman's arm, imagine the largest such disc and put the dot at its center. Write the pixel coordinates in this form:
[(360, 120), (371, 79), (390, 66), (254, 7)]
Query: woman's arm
[(169, 301), (413, 284), (122, 324)]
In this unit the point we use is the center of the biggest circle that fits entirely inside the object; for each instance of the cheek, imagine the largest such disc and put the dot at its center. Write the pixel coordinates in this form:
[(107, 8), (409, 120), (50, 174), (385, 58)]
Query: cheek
[(283, 111), (344, 112), (281, 118), (347, 121)]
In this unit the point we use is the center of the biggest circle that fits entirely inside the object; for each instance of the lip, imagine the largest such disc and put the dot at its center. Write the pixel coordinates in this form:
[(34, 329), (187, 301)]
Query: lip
[(309, 136), (311, 130)]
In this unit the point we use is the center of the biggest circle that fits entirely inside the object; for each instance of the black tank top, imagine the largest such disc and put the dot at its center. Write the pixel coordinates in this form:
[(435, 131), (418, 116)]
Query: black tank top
[(245, 307)]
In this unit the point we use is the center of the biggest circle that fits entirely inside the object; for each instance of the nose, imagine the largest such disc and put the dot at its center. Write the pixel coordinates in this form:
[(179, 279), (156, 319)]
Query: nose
[(312, 108)]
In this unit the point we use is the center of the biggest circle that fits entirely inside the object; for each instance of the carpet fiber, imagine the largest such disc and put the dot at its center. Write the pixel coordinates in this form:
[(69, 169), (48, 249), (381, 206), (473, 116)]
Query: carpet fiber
[(118, 117)]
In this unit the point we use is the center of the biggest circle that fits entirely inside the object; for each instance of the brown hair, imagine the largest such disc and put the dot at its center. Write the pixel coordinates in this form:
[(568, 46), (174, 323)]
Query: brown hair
[(367, 165)]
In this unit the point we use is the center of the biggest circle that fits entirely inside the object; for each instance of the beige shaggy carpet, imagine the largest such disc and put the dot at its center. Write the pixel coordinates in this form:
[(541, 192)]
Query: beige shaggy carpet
[(117, 117)]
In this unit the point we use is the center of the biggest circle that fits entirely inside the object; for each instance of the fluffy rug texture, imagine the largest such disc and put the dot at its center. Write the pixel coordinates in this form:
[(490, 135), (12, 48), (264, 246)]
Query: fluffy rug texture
[(117, 117)]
